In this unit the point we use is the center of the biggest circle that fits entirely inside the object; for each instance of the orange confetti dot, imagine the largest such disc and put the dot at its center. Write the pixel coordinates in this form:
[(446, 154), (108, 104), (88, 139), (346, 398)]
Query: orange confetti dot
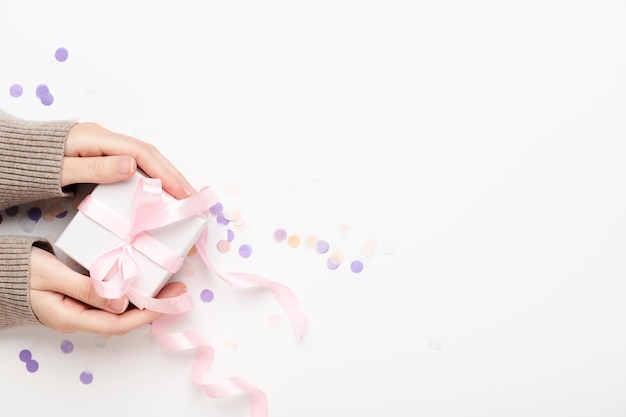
[(336, 258), (223, 246), (293, 241), (311, 241)]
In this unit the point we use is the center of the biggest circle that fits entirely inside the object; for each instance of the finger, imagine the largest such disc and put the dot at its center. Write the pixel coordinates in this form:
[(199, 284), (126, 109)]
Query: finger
[(90, 139), (97, 169), (73, 316), (48, 273), (102, 322)]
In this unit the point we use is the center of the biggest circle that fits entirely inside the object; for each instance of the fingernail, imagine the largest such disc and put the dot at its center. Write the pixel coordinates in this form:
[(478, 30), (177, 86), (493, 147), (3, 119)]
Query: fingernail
[(126, 166), (188, 190), (117, 305)]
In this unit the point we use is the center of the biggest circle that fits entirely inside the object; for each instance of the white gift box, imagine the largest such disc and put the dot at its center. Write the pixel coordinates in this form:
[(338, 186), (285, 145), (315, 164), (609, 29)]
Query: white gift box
[(84, 240)]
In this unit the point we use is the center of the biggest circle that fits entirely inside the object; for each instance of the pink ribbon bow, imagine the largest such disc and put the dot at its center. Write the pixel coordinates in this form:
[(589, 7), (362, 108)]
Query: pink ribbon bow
[(151, 211), (114, 272)]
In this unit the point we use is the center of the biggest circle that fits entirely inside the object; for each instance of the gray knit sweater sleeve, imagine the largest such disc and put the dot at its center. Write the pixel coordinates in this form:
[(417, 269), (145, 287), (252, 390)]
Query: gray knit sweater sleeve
[(31, 154)]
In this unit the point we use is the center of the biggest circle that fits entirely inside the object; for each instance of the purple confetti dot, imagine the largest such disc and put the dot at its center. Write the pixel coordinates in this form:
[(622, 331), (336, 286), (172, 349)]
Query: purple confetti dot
[(61, 214), (16, 90), (216, 209), (206, 295), (356, 266), (67, 346), (331, 265), (47, 99), (25, 355), (32, 366), (245, 251), (222, 220), (86, 377), (61, 54), (230, 235), (280, 235), (12, 211), (34, 214), (322, 246), (41, 90)]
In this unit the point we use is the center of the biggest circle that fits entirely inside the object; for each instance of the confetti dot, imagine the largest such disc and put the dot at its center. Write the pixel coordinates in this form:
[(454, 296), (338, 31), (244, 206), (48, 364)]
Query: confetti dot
[(186, 270), (280, 235), (206, 295), (34, 213), (67, 346), (231, 344), (232, 188), (53, 212), (222, 220), (25, 355), (86, 377), (387, 247), (331, 265), (356, 266), (216, 209), (435, 344), (32, 366), (41, 90), (245, 251), (343, 230), (232, 214), (223, 246), (230, 235), (369, 248), (27, 224), (16, 90), (310, 241), (61, 54), (273, 320), (12, 211), (293, 241), (322, 246), (337, 257), (47, 99), (101, 341)]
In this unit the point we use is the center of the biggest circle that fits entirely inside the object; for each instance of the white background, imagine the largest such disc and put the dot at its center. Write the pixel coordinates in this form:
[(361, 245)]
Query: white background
[(481, 144)]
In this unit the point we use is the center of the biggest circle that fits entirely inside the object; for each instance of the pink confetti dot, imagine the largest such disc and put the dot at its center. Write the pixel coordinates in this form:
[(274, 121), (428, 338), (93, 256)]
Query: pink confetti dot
[(280, 235)]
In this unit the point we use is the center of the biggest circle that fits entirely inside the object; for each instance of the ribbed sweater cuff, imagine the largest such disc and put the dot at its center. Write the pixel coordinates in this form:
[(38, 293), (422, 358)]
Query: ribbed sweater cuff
[(15, 310), (31, 154)]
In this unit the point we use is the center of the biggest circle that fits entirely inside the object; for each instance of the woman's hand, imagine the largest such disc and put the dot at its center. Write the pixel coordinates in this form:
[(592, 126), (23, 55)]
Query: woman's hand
[(66, 301), (96, 155)]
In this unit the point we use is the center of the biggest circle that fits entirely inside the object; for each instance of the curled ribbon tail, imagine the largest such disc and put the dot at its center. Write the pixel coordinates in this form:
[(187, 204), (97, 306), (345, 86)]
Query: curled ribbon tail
[(205, 353)]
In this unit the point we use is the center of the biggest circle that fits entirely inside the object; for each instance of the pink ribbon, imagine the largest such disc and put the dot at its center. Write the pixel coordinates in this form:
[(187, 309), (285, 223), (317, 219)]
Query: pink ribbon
[(114, 272), (230, 387), (151, 211)]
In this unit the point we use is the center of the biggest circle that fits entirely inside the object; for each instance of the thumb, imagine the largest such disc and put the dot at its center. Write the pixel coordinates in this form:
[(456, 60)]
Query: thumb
[(97, 169)]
